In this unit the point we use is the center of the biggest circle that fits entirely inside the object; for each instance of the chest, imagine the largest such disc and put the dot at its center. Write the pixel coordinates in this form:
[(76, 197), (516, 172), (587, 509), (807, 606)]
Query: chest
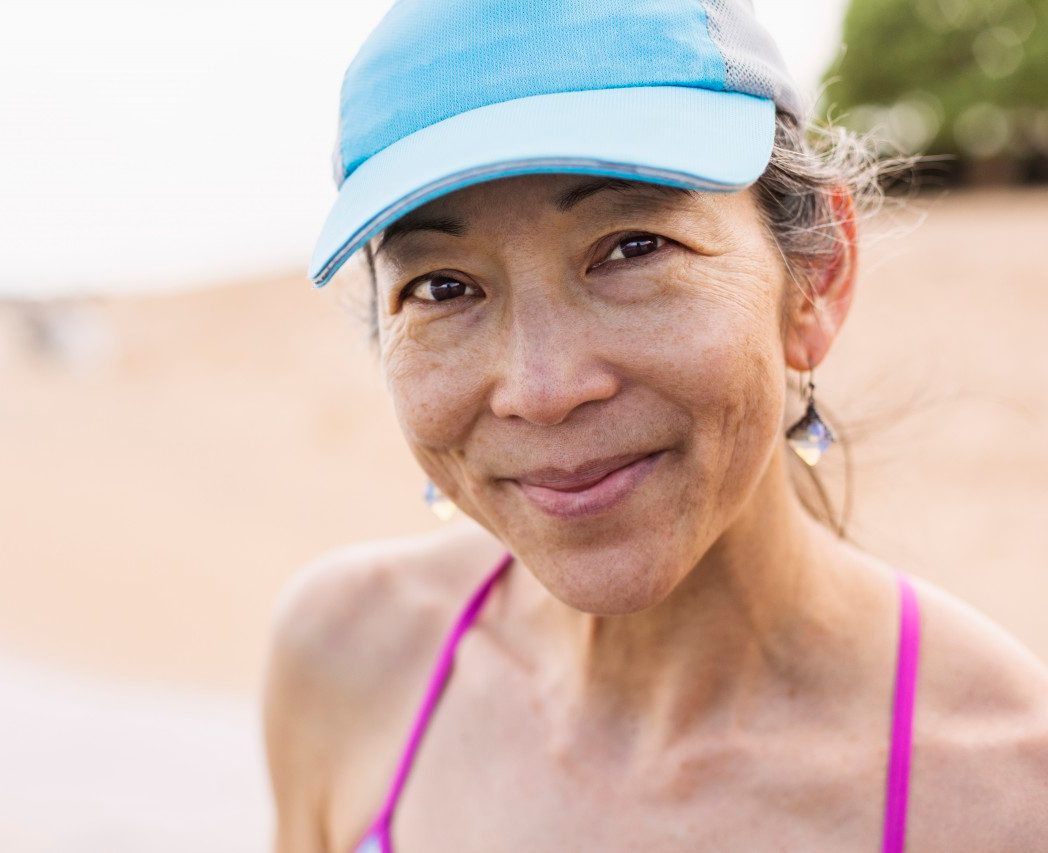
[(521, 802), (486, 778)]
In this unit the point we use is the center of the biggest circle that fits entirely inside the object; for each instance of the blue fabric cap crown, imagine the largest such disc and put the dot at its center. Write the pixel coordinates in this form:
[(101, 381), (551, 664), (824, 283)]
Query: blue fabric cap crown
[(448, 93)]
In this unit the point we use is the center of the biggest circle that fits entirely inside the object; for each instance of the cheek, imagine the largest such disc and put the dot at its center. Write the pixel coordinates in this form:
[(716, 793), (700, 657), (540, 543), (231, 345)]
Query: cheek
[(435, 393), (744, 397), (716, 329), (722, 347)]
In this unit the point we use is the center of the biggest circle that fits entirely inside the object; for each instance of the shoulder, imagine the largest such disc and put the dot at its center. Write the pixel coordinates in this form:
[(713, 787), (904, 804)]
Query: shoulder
[(973, 664), (980, 748), (356, 600), (353, 633)]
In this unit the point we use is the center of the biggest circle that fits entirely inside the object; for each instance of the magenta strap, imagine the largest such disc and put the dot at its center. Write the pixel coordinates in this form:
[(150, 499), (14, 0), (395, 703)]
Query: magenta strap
[(902, 713), (436, 685), (902, 719)]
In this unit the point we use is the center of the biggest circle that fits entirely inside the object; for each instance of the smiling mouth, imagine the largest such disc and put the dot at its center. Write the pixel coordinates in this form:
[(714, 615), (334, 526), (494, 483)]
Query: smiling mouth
[(581, 477), (576, 496)]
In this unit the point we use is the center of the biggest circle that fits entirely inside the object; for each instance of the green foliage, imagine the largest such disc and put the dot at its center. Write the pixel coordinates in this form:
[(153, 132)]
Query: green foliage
[(962, 77)]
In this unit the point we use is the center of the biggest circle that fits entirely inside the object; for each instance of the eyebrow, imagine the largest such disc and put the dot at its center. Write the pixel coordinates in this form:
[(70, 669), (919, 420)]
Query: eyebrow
[(562, 202)]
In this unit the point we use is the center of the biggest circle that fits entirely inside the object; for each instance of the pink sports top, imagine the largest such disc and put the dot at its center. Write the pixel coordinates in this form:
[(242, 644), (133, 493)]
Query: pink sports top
[(377, 838)]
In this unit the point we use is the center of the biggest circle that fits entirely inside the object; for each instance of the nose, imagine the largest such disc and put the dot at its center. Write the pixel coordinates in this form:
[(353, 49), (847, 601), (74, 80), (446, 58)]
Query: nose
[(551, 363)]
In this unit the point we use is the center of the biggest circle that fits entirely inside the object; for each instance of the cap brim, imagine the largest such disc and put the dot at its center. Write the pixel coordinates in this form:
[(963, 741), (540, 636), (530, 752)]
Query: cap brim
[(679, 135)]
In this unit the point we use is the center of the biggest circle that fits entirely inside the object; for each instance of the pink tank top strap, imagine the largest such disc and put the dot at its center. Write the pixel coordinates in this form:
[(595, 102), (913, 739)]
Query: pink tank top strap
[(378, 835), (380, 828), (897, 785)]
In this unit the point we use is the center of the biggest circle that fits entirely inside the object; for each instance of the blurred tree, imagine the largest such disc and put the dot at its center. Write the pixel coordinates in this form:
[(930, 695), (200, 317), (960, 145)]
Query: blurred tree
[(967, 78)]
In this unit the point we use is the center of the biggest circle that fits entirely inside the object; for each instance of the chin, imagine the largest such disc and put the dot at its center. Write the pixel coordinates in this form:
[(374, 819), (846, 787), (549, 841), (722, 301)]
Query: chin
[(609, 581)]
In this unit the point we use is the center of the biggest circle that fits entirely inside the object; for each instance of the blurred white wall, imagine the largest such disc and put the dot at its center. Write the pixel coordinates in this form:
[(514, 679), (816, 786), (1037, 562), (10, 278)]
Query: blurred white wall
[(149, 146)]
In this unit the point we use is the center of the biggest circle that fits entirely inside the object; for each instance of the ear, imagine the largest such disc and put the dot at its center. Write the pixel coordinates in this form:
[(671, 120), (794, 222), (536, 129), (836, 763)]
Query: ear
[(816, 317)]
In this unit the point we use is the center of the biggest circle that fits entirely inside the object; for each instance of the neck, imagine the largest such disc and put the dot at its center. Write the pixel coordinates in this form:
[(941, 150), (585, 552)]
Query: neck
[(769, 612)]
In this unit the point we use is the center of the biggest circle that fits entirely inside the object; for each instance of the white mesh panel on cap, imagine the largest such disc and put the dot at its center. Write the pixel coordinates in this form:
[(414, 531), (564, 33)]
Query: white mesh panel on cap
[(751, 57)]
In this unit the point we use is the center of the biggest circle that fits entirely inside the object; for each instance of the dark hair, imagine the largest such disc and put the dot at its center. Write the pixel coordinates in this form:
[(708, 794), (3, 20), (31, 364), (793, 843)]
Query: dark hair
[(807, 164)]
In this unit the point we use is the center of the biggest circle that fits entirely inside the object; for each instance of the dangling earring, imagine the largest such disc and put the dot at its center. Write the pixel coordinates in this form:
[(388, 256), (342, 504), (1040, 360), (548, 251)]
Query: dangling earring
[(442, 506), (810, 436)]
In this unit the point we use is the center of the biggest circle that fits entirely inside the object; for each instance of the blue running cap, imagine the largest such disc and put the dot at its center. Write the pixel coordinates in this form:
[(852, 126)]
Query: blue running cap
[(448, 93)]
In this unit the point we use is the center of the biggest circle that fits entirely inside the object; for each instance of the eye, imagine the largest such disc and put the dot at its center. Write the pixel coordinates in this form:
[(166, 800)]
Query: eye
[(634, 246), (436, 288)]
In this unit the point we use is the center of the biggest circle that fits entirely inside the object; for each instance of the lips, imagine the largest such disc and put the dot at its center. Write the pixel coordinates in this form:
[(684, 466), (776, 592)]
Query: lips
[(591, 490), (579, 478)]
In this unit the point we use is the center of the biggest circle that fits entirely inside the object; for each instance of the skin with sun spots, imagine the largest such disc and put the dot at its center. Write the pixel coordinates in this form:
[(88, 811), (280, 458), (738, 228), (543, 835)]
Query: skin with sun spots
[(697, 666)]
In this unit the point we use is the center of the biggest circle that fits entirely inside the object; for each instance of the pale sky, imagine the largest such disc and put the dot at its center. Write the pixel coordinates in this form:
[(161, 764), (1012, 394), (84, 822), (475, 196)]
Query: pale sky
[(150, 146)]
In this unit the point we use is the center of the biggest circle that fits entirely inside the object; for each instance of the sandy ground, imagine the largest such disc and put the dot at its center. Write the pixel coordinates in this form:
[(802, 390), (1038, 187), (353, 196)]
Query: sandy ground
[(167, 462)]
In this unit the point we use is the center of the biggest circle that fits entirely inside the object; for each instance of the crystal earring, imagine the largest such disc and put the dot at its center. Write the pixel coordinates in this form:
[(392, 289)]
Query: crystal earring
[(810, 437), (442, 506)]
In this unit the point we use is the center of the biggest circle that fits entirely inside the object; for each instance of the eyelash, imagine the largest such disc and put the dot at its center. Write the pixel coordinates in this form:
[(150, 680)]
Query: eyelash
[(662, 241), (636, 236)]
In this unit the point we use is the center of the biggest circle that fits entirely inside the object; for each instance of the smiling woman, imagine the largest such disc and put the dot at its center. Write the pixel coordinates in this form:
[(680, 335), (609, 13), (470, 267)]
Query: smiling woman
[(586, 325), (794, 198)]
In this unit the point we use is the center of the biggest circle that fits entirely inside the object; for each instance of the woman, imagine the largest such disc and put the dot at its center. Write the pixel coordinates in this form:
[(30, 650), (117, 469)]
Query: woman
[(592, 272)]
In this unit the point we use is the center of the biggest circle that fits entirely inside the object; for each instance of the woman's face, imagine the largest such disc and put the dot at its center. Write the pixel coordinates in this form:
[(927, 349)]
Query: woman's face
[(539, 322)]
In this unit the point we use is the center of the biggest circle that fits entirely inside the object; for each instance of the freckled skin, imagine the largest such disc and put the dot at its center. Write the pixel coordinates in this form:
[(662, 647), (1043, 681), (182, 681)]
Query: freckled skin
[(560, 361), (702, 667)]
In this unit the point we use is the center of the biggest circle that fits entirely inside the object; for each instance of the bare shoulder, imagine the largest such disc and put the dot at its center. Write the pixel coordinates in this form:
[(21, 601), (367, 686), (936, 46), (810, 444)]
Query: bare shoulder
[(353, 633), (369, 604), (980, 748)]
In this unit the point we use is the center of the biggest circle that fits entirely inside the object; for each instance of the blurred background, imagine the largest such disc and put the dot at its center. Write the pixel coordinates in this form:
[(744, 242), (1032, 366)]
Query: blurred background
[(185, 421)]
